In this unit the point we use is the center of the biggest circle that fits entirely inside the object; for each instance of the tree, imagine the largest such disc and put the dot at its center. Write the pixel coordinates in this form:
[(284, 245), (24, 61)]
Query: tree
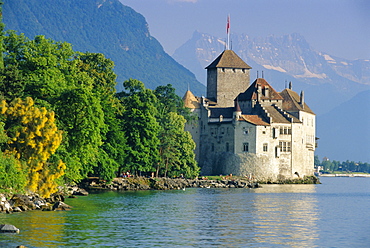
[(171, 102), (112, 152), (176, 145), (33, 138), (78, 87), (12, 175), (176, 148), (140, 127)]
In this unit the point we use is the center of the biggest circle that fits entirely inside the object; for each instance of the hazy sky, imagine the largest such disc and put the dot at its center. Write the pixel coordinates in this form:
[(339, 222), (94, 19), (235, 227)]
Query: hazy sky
[(338, 27)]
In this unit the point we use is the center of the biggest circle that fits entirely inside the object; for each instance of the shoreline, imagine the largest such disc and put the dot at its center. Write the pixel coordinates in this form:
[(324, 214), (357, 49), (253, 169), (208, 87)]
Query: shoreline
[(12, 203), (141, 183), (344, 175)]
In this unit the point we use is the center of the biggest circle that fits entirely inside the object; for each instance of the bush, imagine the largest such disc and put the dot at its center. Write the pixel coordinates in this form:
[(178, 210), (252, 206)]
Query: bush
[(12, 176)]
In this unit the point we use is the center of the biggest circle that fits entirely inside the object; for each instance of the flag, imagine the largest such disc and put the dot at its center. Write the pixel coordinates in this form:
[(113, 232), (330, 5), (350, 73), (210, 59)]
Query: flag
[(228, 24)]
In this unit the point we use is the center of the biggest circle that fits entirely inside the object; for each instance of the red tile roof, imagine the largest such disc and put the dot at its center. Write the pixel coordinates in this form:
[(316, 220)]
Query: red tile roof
[(254, 119)]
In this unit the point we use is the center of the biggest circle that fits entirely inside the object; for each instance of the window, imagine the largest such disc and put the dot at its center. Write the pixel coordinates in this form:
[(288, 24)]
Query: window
[(227, 147), (212, 147), (275, 132), (277, 151), (285, 146), (245, 147), (285, 130), (265, 147)]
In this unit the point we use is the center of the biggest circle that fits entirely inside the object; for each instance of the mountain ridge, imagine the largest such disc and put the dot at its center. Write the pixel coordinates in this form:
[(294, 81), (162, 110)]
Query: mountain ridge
[(107, 27), (334, 87), (283, 59)]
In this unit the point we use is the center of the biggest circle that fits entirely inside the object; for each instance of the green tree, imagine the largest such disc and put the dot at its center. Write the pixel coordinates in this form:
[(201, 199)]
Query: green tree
[(176, 148), (317, 161), (78, 87), (112, 152), (176, 145), (12, 175), (140, 126), (327, 164)]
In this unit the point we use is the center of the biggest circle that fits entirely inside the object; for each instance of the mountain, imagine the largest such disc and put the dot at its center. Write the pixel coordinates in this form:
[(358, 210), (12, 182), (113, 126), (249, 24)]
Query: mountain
[(107, 27), (344, 132), (327, 80), (336, 89)]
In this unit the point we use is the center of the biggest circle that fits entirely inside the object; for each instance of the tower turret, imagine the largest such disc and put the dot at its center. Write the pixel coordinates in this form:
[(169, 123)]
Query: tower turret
[(227, 76)]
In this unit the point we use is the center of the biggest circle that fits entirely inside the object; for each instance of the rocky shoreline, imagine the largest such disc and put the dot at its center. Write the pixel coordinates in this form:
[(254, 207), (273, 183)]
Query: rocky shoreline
[(20, 203), (141, 183)]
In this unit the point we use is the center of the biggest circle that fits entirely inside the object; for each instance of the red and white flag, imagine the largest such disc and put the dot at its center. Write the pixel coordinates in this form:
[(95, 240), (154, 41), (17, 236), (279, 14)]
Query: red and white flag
[(228, 25)]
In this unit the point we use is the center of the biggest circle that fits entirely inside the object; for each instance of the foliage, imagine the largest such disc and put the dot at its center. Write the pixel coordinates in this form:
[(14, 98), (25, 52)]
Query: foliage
[(78, 87), (176, 147), (343, 167), (72, 124), (134, 51), (140, 126), (12, 176), (33, 139)]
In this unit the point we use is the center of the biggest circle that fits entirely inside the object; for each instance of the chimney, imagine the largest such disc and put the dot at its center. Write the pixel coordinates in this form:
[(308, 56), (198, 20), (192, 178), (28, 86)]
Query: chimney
[(290, 85), (267, 92), (259, 92), (302, 99)]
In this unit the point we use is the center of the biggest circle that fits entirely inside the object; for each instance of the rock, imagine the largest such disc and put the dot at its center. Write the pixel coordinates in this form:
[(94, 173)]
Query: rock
[(5, 228), (22, 201), (56, 198), (61, 206), (80, 191), (17, 209)]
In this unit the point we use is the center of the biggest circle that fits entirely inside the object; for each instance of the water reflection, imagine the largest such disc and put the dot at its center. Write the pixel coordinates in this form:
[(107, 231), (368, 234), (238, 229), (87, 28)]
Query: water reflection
[(283, 217), (38, 228), (275, 215)]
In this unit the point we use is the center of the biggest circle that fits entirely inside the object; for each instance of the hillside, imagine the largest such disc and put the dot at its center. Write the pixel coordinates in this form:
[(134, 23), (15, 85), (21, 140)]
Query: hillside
[(107, 27)]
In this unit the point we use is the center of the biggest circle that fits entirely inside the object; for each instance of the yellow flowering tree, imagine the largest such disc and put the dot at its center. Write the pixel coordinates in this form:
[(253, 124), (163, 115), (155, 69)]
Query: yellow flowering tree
[(33, 138)]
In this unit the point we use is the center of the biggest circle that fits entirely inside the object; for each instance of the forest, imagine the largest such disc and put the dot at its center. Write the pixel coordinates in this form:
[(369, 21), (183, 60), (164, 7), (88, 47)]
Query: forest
[(341, 167), (62, 120)]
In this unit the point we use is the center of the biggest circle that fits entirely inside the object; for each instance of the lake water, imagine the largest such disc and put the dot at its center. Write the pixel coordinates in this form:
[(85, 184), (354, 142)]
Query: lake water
[(332, 214)]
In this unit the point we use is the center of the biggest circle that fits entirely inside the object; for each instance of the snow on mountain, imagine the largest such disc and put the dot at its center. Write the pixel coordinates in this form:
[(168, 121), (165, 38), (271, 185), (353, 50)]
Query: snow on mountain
[(284, 58), (333, 86)]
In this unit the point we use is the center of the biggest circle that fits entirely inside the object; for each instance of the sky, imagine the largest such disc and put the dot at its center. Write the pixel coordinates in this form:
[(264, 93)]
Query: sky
[(338, 27)]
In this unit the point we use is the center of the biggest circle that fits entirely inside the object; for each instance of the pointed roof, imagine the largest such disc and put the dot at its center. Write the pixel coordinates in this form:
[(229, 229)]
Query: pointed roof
[(228, 59), (190, 101), (252, 91), (292, 102), (253, 119), (237, 106)]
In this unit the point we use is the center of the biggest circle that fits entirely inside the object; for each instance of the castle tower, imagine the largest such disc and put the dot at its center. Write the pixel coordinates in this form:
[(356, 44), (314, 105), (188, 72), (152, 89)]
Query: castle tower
[(227, 77)]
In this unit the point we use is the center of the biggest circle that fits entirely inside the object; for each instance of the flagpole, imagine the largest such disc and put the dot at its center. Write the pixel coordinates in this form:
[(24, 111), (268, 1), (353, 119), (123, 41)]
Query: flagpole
[(228, 32)]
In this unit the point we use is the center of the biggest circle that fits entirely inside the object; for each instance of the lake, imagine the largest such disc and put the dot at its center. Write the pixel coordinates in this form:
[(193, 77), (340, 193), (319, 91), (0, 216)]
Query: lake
[(332, 214)]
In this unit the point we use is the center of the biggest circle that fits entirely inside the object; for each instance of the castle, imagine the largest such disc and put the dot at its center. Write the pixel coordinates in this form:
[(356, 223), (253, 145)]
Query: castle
[(250, 129)]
